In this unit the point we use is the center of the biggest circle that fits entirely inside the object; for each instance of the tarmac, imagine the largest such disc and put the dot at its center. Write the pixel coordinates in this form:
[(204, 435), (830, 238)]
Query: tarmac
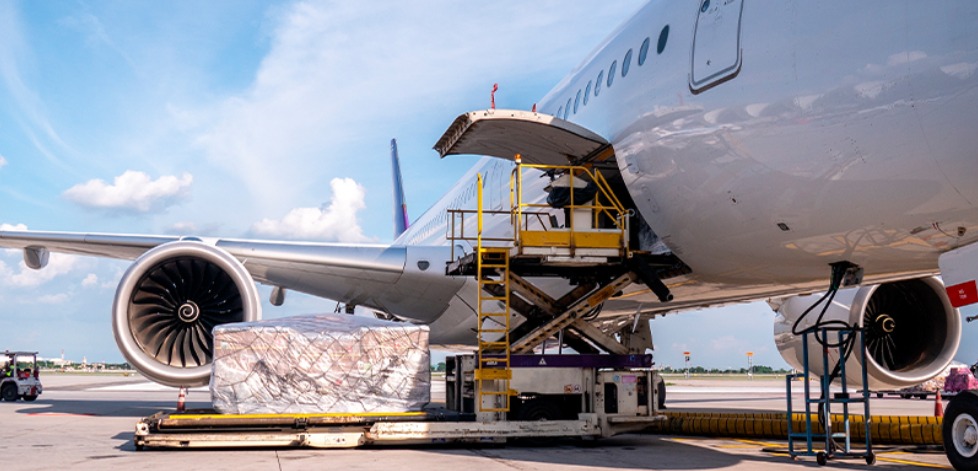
[(87, 422)]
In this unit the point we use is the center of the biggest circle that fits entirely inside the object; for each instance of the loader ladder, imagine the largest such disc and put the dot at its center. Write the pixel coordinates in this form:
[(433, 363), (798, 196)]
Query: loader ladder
[(492, 371)]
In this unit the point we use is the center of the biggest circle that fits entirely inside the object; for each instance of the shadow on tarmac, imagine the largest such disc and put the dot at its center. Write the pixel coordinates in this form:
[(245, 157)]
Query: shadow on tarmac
[(626, 451), (97, 408)]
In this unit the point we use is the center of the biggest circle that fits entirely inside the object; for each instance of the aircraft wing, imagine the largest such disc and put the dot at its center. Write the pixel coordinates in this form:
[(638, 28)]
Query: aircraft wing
[(36, 243), (378, 276)]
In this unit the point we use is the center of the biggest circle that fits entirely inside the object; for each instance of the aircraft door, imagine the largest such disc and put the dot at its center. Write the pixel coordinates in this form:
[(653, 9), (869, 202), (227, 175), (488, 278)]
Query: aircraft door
[(716, 54)]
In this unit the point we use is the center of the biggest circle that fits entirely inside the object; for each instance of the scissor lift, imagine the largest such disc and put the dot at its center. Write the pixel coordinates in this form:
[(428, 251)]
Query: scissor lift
[(593, 239)]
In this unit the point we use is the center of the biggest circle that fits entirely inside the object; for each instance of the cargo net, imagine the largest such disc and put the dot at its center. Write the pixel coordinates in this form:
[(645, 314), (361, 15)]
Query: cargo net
[(320, 364)]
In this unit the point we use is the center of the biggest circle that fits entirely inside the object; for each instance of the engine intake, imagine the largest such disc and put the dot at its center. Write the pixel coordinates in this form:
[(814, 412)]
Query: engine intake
[(912, 331), (169, 300)]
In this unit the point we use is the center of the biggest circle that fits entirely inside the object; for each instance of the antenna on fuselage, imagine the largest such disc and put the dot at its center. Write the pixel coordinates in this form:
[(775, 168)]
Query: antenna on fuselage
[(401, 221)]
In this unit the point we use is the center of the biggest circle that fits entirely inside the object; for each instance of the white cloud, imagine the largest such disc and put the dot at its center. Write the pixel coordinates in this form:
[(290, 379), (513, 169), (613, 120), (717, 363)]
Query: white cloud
[(90, 280), (905, 57), (336, 222), (132, 191), (30, 106), (870, 89), (3, 161), (13, 227), (183, 227), (961, 70), (324, 93), (94, 32), (59, 264)]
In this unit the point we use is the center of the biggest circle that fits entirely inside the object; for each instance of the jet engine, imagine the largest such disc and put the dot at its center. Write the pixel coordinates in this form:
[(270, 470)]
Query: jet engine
[(912, 331), (169, 300)]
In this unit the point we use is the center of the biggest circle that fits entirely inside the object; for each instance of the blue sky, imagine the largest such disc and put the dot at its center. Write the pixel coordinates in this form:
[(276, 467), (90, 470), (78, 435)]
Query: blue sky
[(264, 119)]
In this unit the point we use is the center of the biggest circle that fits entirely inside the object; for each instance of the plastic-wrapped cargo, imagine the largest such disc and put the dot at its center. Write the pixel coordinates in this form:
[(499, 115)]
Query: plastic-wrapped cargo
[(320, 364)]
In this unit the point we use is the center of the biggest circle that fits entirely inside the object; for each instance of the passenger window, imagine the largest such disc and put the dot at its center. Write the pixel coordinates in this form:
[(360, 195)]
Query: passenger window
[(663, 37), (611, 72), (625, 63), (597, 83), (587, 92), (643, 52), (577, 101)]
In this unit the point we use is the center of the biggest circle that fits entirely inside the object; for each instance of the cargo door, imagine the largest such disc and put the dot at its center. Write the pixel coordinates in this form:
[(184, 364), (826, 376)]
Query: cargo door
[(716, 55), (538, 138)]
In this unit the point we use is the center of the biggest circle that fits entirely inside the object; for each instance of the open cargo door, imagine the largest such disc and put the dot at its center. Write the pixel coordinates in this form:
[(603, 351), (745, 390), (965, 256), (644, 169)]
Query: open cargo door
[(539, 138)]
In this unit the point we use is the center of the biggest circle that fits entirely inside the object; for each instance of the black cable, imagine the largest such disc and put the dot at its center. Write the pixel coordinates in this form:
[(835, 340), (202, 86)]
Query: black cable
[(838, 273)]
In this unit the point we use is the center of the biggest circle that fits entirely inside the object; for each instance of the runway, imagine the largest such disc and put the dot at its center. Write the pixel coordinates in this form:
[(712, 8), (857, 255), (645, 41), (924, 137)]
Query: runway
[(86, 422)]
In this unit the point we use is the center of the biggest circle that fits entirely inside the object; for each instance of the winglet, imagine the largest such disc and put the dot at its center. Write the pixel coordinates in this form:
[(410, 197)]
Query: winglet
[(400, 207)]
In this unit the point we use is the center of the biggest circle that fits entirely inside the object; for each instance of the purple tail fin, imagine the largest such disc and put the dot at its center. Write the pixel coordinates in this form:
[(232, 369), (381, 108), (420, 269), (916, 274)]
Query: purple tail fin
[(401, 221)]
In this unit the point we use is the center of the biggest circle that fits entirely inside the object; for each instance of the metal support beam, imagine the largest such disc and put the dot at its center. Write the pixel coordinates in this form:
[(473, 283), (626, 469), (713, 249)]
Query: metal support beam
[(578, 309)]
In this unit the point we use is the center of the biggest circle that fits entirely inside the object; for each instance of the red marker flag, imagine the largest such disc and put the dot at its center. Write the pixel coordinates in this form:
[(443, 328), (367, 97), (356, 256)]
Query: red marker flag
[(492, 96)]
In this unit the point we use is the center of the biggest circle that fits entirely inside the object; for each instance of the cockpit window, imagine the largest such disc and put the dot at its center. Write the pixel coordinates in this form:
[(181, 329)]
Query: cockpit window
[(567, 108), (597, 83), (626, 63), (611, 72), (577, 100), (587, 92)]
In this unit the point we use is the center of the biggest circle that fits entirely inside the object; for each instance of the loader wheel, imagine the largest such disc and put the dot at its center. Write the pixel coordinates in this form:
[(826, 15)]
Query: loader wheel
[(661, 386), (960, 430), (9, 392), (539, 409)]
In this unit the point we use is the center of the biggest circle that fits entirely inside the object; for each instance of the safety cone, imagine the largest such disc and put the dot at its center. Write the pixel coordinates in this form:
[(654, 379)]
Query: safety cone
[(938, 405), (181, 399)]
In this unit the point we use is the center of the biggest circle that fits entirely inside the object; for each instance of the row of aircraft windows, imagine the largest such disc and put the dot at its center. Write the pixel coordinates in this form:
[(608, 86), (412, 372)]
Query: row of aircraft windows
[(467, 195), (626, 63)]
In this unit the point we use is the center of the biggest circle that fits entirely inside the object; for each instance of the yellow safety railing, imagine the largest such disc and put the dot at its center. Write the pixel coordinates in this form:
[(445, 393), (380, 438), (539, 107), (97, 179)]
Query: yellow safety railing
[(609, 222), (535, 224)]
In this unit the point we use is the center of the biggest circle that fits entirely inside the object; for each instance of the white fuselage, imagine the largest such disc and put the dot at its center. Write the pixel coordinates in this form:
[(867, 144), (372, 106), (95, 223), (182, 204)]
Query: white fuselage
[(840, 131)]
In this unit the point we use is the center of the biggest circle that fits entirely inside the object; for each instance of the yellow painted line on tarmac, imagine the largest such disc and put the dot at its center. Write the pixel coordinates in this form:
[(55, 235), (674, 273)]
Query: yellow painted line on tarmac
[(911, 462), (763, 444), (739, 446), (331, 415)]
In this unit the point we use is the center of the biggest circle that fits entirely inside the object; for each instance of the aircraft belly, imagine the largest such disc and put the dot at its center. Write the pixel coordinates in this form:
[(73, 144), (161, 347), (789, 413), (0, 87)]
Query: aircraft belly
[(857, 145)]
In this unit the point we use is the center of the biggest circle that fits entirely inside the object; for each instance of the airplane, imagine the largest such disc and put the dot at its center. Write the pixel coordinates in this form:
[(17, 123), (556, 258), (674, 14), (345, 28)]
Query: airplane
[(765, 152)]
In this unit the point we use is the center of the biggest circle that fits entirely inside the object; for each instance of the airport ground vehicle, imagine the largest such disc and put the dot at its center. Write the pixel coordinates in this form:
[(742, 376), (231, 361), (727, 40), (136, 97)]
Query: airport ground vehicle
[(19, 376), (551, 396)]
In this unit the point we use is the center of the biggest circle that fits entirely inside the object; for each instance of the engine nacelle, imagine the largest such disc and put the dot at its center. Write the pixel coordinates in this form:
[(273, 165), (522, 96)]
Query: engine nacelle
[(912, 331), (169, 300)]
